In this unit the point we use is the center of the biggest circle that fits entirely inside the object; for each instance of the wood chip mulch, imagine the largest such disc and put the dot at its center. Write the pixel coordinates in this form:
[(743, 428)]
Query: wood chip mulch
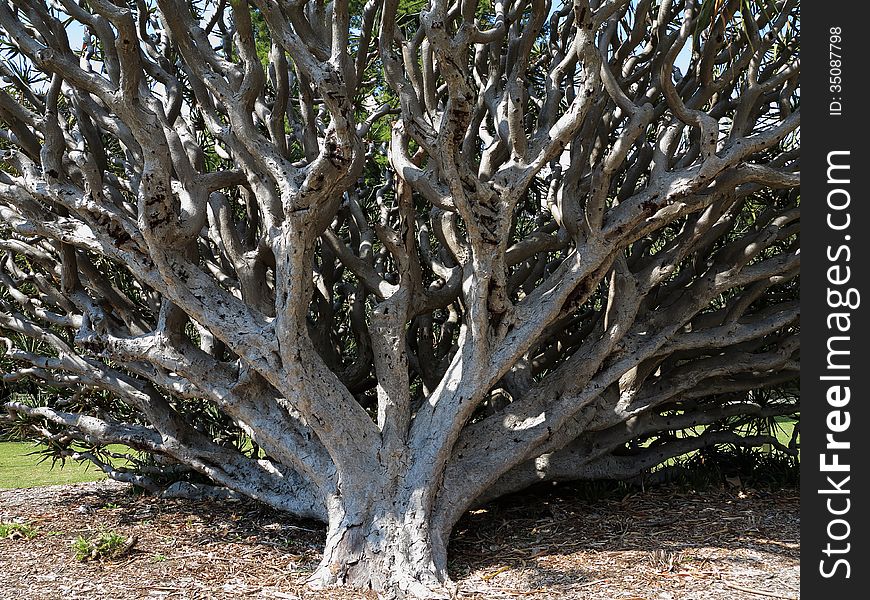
[(661, 544)]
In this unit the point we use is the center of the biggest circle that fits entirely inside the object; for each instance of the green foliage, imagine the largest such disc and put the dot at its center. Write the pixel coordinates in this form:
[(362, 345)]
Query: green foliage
[(17, 531), (106, 545), (262, 37), (732, 465)]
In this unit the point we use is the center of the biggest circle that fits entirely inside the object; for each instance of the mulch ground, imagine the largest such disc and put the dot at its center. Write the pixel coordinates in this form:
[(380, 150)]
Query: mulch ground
[(660, 544)]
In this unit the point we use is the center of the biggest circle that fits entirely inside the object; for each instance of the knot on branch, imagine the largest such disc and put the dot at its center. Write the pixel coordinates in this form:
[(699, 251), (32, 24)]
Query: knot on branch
[(45, 56)]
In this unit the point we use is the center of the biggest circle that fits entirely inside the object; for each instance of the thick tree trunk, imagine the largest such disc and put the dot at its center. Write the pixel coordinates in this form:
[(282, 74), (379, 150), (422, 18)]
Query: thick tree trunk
[(393, 552)]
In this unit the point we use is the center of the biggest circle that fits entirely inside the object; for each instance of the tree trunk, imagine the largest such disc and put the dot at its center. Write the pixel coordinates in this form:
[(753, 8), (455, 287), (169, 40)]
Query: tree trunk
[(386, 549)]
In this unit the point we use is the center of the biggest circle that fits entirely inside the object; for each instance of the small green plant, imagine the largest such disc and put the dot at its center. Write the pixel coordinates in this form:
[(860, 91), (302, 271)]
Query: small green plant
[(158, 557), (106, 545), (17, 531)]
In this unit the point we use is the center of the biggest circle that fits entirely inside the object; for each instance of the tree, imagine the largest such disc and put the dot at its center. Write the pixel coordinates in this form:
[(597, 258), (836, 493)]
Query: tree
[(375, 264)]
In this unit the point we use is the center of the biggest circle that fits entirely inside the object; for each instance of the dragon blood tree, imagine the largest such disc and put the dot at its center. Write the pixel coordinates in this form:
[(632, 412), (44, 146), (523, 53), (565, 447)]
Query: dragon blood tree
[(375, 264)]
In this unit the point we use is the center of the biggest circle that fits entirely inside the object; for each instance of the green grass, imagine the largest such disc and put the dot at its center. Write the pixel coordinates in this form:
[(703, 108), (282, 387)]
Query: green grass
[(785, 430), (18, 470)]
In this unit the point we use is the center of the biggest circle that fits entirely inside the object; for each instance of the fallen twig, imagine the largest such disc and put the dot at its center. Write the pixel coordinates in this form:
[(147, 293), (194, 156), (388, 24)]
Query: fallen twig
[(759, 592), (489, 576)]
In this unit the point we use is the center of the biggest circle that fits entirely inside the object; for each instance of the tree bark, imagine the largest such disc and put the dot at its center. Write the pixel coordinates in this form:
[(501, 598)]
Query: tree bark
[(386, 545)]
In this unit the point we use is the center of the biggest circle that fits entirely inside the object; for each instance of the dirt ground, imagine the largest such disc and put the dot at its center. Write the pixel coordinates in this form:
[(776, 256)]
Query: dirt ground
[(660, 544)]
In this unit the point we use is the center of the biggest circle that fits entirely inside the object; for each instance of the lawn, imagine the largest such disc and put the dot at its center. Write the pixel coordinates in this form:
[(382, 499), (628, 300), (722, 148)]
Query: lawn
[(20, 470), (785, 430)]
